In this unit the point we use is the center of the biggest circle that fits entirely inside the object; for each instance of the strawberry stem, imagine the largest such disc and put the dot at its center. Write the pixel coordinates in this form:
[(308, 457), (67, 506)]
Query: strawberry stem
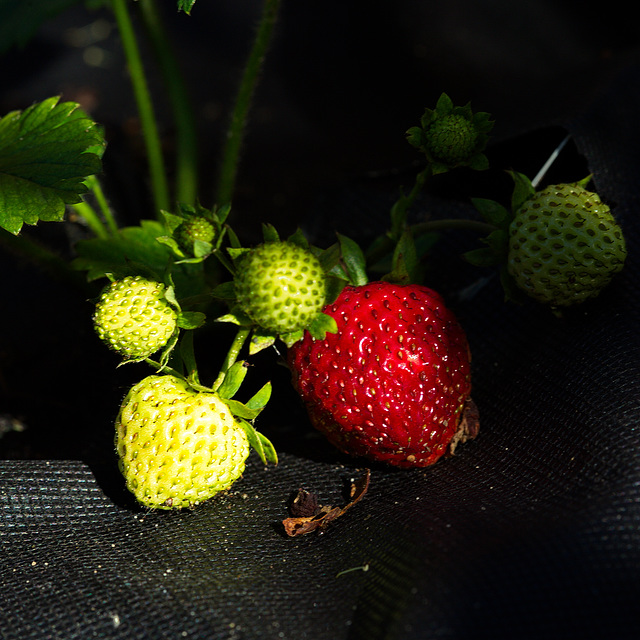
[(232, 355)]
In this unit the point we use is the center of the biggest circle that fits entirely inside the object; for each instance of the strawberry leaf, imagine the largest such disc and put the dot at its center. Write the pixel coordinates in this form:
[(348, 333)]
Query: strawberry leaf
[(261, 339), (523, 189), (191, 319), (233, 379), (186, 5), (321, 325), (492, 212), (354, 261), (241, 410), (260, 443), (260, 399), (270, 233), (46, 153)]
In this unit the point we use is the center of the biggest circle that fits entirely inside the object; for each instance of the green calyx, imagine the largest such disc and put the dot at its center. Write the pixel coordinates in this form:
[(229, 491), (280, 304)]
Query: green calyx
[(452, 136)]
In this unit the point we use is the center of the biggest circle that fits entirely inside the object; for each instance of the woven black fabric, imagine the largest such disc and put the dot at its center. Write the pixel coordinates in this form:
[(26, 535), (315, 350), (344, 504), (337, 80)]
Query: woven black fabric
[(531, 531)]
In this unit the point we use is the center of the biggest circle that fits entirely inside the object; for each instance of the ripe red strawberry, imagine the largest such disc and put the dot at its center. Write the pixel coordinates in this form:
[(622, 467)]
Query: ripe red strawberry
[(392, 384)]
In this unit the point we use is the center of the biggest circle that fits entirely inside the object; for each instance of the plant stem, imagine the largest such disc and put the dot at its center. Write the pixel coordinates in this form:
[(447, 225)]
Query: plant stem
[(86, 211), (231, 153), (186, 135), (387, 244), (142, 95), (405, 202), (232, 354), (96, 188)]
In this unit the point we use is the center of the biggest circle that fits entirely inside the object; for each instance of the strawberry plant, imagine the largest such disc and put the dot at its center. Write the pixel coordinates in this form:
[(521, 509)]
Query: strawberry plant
[(379, 359)]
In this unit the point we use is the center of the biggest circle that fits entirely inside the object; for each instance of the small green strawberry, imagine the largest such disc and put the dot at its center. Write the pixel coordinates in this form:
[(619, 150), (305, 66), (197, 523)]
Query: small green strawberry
[(564, 245), (452, 136), (134, 317), (280, 286), (195, 229), (178, 447)]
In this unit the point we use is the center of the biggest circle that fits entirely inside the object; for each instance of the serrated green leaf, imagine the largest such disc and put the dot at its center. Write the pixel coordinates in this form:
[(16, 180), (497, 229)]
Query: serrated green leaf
[(354, 260), (44, 160), (259, 400), (136, 251), (321, 325), (233, 379), (190, 320)]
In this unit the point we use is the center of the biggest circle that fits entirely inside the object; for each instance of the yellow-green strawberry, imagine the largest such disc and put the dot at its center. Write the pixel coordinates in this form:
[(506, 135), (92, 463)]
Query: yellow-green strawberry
[(177, 447), (565, 245), (134, 317), (280, 286)]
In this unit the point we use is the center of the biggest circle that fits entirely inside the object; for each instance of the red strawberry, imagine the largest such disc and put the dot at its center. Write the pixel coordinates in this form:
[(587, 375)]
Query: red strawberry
[(393, 383)]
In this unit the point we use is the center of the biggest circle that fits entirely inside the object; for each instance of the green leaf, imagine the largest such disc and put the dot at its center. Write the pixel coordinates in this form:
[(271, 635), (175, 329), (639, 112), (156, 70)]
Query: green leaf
[(354, 261), (299, 239), (235, 316), (191, 320), (233, 379), (260, 399), (260, 443), (261, 339), (270, 233), (45, 156), (224, 291), (136, 251), (241, 410), (492, 212), (321, 325), (522, 190), (186, 5), (291, 338)]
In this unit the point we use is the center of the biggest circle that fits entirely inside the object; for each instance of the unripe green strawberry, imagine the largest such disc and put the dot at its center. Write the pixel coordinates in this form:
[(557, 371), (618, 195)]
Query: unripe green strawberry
[(452, 139), (134, 318), (193, 229), (280, 286), (176, 446), (564, 246)]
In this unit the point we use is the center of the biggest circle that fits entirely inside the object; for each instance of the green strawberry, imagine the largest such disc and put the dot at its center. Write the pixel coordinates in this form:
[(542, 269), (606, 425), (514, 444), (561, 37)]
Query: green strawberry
[(564, 245), (134, 317), (280, 286), (176, 446), (194, 229), (452, 139), (452, 136)]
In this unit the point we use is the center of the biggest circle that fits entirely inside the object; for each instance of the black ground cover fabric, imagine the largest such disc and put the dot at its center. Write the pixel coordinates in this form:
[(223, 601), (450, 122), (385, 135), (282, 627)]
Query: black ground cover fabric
[(532, 531)]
